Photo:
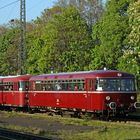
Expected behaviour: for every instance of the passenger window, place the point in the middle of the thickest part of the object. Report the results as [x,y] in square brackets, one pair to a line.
[91,85]
[0,86]
[58,86]
[8,86]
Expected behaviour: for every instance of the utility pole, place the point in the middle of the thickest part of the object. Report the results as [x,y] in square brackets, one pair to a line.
[22,46]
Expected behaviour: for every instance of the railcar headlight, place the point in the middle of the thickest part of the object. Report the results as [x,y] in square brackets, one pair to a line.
[132,97]
[107,98]
[112,105]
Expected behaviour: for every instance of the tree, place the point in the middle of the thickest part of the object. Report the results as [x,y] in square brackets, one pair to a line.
[90,10]
[66,43]
[36,40]
[130,61]
[110,35]
[9,52]
[9,46]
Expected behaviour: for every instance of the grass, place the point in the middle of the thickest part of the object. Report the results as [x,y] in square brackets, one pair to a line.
[101,130]
[138,97]
[105,131]
[138,110]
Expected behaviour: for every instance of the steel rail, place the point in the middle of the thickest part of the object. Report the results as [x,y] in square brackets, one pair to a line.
[14,135]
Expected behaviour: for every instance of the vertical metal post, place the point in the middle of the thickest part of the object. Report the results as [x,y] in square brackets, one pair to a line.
[22,46]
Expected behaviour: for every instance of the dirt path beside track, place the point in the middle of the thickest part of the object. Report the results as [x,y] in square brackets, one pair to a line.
[41,123]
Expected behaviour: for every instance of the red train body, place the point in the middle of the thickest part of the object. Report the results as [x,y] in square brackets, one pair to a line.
[84,91]
[100,92]
[14,90]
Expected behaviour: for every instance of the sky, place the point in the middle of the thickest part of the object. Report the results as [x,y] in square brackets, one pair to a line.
[10,9]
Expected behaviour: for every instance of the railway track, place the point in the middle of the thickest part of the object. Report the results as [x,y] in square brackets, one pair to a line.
[131,119]
[6,134]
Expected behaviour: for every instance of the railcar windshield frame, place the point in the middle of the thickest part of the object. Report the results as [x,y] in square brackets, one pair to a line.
[116,84]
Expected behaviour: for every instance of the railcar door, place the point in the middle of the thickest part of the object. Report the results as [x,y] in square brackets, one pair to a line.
[15,93]
[23,93]
[91,83]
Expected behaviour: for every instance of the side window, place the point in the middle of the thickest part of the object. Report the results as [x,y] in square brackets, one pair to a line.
[92,85]
[37,85]
[8,86]
[76,85]
[1,86]
[59,85]
[49,85]
[32,85]
[72,85]
[64,85]
[43,85]
[81,85]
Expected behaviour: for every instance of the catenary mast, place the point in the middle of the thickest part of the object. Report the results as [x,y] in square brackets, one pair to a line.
[22,46]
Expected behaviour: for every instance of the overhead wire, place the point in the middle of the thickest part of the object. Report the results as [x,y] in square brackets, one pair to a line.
[9,4]
[34,6]
[12,10]
[28,8]
[8,14]
[39,3]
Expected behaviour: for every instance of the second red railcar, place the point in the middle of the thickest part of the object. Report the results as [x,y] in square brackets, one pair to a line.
[14,90]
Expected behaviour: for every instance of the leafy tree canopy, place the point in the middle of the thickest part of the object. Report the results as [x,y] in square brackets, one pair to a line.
[110,35]
[130,61]
[66,40]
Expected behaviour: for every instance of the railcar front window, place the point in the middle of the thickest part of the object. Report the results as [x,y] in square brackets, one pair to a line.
[115,84]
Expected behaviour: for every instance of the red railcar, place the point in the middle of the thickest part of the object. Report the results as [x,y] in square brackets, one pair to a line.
[14,90]
[101,91]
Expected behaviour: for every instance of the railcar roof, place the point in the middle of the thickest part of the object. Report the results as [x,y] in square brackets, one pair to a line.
[82,74]
[16,78]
